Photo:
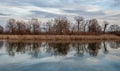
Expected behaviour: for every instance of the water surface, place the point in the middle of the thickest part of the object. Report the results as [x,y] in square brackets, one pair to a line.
[44,56]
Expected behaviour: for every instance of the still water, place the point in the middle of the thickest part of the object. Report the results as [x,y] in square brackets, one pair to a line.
[52,56]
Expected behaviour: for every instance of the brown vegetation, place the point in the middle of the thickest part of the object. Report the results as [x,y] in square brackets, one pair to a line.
[60,37]
[59,29]
[59,26]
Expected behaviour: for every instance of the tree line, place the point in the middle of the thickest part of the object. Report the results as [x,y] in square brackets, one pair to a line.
[59,26]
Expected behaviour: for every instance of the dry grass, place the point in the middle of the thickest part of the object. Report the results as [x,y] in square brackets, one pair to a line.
[60,37]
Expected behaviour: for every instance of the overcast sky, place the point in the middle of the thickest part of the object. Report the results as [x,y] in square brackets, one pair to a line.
[101,9]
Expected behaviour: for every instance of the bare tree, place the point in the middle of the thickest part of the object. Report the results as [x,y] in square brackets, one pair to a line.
[1,29]
[78,22]
[84,25]
[11,25]
[28,28]
[49,27]
[61,25]
[94,26]
[114,28]
[21,28]
[73,29]
[35,26]
[105,26]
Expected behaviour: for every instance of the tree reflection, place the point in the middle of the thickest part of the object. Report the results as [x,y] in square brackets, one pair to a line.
[20,47]
[105,48]
[1,44]
[59,48]
[35,49]
[115,44]
[79,48]
[12,48]
[94,48]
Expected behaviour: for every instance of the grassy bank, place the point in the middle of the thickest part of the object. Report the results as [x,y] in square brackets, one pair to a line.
[60,37]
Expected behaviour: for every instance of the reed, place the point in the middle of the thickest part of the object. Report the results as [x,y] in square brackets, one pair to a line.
[60,37]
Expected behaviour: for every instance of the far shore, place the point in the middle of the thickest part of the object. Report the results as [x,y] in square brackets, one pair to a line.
[60,37]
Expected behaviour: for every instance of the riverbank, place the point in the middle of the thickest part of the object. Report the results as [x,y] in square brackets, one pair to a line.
[60,37]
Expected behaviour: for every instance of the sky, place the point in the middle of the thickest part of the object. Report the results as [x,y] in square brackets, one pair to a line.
[103,10]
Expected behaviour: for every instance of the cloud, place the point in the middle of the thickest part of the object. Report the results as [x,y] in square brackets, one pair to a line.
[43,14]
[86,13]
[2,14]
[116,3]
[50,8]
[46,11]
[112,12]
